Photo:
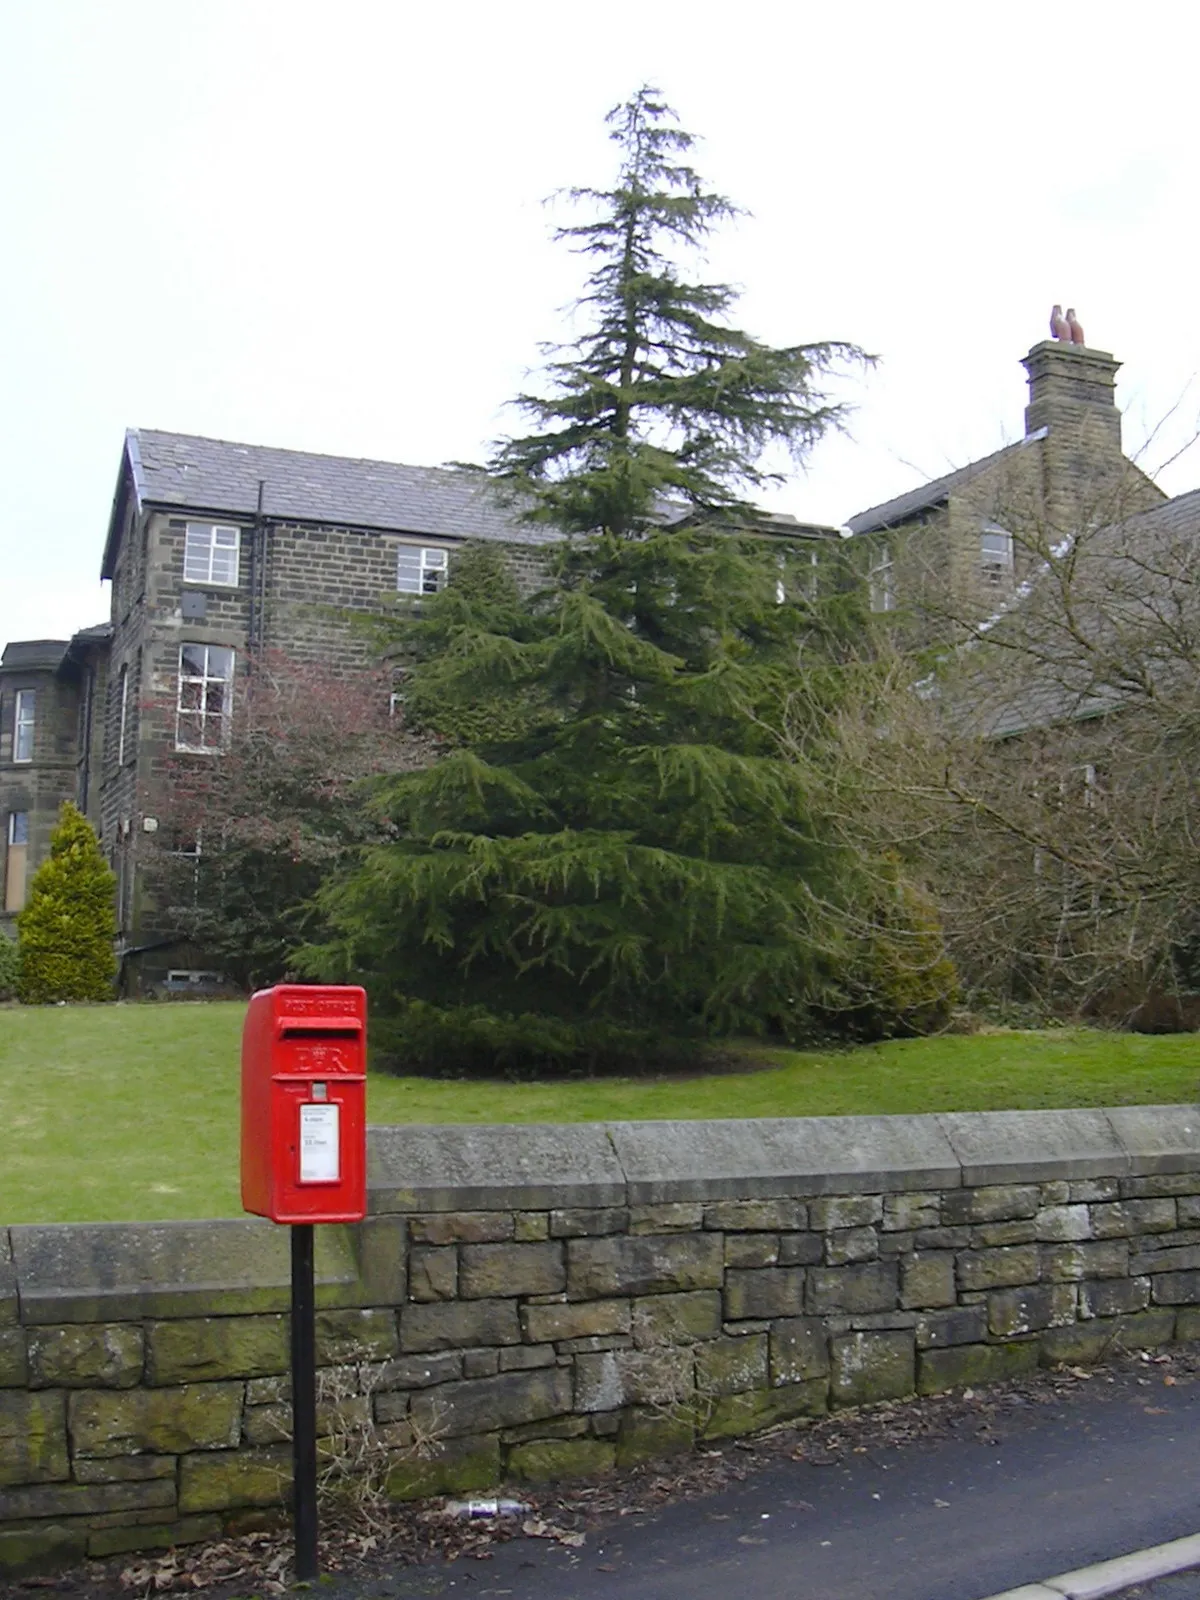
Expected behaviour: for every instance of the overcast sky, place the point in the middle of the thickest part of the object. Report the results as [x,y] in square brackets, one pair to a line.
[321,226]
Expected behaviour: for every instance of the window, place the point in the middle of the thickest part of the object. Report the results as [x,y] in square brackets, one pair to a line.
[420,571]
[882,580]
[183,872]
[996,555]
[23,726]
[124,698]
[205,694]
[14,865]
[210,554]
[797,575]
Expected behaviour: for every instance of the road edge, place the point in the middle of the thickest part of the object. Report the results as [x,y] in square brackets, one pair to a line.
[1110,1577]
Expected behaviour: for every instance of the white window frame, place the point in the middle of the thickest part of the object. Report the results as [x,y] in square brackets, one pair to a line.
[428,567]
[211,552]
[996,562]
[806,585]
[881,580]
[24,719]
[199,686]
[122,726]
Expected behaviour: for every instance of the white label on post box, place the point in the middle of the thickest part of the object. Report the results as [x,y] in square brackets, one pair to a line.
[319,1161]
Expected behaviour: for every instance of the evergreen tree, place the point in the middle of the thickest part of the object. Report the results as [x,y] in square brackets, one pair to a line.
[660,396]
[68,926]
[612,858]
[10,967]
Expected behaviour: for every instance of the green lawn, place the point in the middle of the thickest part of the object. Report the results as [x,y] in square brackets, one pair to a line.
[131,1111]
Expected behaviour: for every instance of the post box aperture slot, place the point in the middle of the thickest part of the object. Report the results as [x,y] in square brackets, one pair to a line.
[308,1033]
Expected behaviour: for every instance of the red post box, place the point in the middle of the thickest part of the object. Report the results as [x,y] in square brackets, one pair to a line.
[304,1117]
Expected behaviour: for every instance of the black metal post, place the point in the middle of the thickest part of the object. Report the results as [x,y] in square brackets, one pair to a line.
[304,1401]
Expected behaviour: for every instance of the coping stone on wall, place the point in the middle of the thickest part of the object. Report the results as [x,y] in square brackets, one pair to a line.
[8,1283]
[1034,1146]
[486,1167]
[758,1157]
[1158,1138]
[120,1271]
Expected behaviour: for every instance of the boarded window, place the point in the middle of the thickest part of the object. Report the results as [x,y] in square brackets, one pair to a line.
[15,860]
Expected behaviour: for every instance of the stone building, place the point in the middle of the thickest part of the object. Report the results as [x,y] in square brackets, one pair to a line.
[217,552]
[956,550]
[51,742]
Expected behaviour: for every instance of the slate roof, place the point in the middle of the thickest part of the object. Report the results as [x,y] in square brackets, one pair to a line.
[187,472]
[935,493]
[190,473]
[1135,586]
[33,655]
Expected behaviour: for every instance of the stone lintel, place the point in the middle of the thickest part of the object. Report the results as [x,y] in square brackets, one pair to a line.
[124,1271]
[487,1168]
[761,1157]
[1002,1147]
[1158,1138]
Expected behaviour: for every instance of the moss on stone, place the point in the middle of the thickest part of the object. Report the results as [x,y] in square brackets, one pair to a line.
[157,1536]
[194,1416]
[197,1348]
[732,1365]
[33,1437]
[86,1355]
[457,1466]
[738,1414]
[13,1369]
[554,1460]
[872,1366]
[217,1480]
[973,1363]
[39,1546]
[644,1435]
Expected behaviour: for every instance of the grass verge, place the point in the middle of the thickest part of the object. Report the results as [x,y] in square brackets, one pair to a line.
[130,1112]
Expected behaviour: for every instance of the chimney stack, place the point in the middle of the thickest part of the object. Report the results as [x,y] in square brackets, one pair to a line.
[1071,393]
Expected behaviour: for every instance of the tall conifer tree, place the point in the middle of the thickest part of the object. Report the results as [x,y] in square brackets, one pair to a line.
[610,858]
[660,395]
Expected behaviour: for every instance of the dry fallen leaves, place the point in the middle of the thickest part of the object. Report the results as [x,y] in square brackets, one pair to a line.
[535,1528]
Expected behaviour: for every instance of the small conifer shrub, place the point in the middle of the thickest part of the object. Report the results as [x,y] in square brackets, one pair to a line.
[67,928]
[10,966]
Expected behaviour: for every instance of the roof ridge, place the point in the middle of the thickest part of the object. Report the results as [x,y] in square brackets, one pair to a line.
[928,493]
[455,469]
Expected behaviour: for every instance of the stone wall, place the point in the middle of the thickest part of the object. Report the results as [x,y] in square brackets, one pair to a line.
[528,1303]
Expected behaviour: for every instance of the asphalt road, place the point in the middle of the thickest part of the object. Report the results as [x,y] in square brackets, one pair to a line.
[1112,1470]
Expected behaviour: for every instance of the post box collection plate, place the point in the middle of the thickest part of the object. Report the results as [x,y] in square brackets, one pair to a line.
[320,1159]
